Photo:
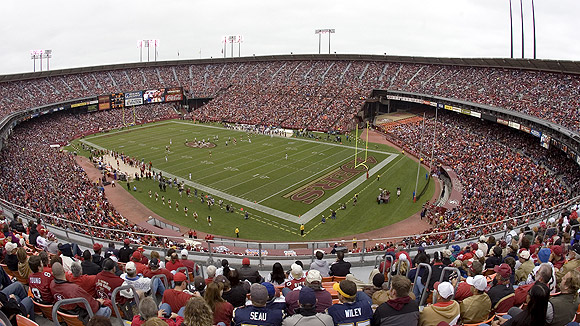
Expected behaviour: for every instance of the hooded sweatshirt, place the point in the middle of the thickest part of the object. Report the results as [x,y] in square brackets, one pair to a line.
[441,311]
[321,266]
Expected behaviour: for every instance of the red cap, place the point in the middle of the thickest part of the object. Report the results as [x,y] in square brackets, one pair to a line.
[97,246]
[127,241]
[246,261]
[180,277]
[557,250]
[504,270]
[137,255]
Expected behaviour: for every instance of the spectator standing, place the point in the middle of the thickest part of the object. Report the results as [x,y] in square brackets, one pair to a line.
[125,252]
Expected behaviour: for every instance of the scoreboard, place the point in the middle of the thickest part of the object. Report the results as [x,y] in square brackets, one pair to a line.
[117,101]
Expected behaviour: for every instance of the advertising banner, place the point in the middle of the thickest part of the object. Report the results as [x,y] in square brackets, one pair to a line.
[133,98]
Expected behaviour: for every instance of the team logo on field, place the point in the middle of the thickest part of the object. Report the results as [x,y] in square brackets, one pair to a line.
[200,144]
[314,190]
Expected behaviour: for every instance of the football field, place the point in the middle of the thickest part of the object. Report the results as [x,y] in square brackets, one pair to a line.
[279,181]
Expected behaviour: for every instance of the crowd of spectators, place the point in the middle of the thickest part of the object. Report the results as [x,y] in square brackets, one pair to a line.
[46,179]
[525,278]
[503,174]
[319,95]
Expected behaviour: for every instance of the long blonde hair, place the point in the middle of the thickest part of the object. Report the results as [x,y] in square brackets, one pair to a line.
[213,295]
[197,313]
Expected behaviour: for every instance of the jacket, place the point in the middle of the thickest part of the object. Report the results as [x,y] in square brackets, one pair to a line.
[317,319]
[65,290]
[323,297]
[475,309]
[525,268]
[321,266]
[438,312]
[340,268]
[564,308]
[90,268]
[249,273]
[385,315]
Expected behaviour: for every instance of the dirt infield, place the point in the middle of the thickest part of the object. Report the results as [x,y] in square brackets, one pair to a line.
[137,213]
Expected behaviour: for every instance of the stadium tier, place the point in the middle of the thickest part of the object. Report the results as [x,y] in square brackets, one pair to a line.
[298,94]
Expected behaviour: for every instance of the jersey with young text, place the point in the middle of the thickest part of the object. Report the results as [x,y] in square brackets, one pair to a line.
[39,284]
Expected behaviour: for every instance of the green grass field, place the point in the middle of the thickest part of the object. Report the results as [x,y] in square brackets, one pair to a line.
[279,193]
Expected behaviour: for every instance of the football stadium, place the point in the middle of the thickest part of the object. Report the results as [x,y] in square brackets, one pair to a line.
[291,189]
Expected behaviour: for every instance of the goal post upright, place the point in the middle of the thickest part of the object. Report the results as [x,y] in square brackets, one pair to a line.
[363,163]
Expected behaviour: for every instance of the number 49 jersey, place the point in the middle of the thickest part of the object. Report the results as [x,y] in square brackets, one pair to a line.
[257,316]
[39,284]
[358,313]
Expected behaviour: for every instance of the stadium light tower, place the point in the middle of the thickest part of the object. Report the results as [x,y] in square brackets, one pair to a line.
[534,26]
[522,18]
[511,32]
[47,54]
[323,31]
[35,54]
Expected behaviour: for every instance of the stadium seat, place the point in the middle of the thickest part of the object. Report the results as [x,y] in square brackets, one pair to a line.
[23,321]
[7,270]
[70,320]
[503,305]
[45,309]
[483,322]
[338,278]
[327,279]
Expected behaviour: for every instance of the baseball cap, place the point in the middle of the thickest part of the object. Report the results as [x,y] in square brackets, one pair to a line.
[477,282]
[246,261]
[445,290]
[258,293]
[544,254]
[479,253]
[456,248]
[10,246]
[483,238]
[97,246]
[154,262]
[136,255]
[180,277]
[130,267]
[271,289]
[296,270]
[313,276]
[307,296]
[525,254]
[127,241]
[199,283]
[504,270]
[184,252]
[346,288]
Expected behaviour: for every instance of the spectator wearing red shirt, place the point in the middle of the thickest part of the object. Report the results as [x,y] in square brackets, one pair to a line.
[176,298]
[87,282]
[190,264]
[557,258]
[174,263]
[39,281]
[297,280]
[154,269]
[137,257]
[106,281]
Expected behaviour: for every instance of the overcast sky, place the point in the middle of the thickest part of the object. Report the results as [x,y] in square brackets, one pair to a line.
[97,32]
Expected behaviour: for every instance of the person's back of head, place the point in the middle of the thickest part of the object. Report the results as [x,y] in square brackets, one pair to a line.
[400,286]
[497,251]
[76,269]
[211,270]
[544,273]
[197,313]
[570,282]
[539,295]
[34,263]
[147,308]
[99,321]
[87,255]
[44,258]
[319,254]
[340,255]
